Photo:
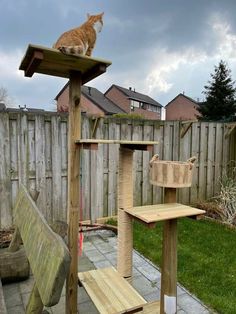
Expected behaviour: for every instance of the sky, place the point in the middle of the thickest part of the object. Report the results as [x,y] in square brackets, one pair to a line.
[159,47]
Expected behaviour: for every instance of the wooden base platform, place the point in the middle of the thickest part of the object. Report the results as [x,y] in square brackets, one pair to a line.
[153,213]
[110,292]
[134,145]
[39,59]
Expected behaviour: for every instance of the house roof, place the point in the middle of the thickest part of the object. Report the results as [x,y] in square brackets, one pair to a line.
[98,98]
[182,95]
[101,100]
[132,94]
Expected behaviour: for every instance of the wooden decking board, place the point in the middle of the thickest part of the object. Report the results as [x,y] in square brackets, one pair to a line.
[160,212]
[110,292]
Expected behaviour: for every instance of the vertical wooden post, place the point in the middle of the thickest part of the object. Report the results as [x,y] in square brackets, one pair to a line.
[74,133]
[125,227]
[169,260]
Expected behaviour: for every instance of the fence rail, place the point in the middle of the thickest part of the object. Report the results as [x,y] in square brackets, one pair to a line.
[33,150]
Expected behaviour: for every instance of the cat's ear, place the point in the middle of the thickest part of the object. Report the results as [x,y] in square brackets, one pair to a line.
[88,16]
[102,14]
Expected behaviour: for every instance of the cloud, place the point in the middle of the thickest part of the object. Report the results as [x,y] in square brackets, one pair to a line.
[9,64]
[225,38]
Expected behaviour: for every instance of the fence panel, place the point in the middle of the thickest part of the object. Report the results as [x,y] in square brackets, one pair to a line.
[33,150]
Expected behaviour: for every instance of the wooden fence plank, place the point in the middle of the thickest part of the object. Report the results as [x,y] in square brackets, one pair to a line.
[40,139]
[146,186]
[5,183]
[56,168]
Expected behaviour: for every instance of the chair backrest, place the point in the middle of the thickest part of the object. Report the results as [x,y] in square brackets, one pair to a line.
[47,253]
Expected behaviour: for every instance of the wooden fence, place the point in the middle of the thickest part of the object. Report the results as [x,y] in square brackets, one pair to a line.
[33,150]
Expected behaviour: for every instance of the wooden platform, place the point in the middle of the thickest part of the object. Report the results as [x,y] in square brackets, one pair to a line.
[154,213]
[110,292]
[39,59]
[135,145]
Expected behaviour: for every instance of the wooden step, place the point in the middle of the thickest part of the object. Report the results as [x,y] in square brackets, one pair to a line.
[110,292]
[151,214]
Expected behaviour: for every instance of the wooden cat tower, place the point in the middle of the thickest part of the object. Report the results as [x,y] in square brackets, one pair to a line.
[109,288]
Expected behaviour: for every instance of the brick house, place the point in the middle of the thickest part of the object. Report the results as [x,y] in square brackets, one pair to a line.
[182,107]
[131,101]
[93,102]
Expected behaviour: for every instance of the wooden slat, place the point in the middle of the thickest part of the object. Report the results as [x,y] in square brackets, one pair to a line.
[110,292]
[160,212]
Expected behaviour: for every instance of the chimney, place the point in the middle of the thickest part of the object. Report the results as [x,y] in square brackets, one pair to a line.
[130,88]
[89,91]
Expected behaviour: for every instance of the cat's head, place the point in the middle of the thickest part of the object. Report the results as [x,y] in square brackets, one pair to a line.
[96,21]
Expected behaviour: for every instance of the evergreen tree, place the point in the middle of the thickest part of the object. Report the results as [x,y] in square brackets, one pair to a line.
[220,103]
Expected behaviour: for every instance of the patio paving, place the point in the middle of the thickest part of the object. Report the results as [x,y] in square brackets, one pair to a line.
[99,251]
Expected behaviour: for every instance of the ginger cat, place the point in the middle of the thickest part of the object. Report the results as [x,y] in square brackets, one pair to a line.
[81,40]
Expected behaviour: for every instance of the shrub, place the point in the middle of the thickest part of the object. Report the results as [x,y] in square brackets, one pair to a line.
[226,199]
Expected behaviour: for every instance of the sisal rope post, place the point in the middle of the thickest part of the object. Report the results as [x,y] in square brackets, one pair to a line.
[125,226]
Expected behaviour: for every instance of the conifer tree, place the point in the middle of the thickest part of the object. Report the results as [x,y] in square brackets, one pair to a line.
[220,103]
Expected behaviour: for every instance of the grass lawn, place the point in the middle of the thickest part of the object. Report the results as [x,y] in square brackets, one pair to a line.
[206,259]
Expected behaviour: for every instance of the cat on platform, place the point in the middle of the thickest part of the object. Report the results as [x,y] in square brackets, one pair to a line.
[81,40]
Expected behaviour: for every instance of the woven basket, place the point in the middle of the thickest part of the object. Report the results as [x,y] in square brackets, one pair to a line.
[171,174]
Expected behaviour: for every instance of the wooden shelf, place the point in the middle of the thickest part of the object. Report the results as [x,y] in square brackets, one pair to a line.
[153,213]
[135,145]
[38,59]
[110,292]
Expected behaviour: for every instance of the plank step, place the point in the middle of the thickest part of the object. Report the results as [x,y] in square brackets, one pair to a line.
[110,292]
[151,214]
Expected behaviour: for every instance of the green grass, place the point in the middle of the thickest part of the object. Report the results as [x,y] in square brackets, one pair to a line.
[206,259]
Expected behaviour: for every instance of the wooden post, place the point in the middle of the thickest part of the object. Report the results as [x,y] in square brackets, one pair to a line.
[125,226]
[74,133]
[169,260]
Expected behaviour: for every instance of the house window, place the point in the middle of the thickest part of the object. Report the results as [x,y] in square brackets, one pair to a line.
[134,104]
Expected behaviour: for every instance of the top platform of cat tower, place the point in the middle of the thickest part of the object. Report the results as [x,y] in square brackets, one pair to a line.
[49,61]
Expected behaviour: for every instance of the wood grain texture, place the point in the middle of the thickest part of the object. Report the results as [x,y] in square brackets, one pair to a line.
[74,132]
[160,212]
[110,292]
[47,253]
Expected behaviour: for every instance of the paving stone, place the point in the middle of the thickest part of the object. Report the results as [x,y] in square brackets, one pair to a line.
[19,309]
[150,272]
[190,305]
[95,256]
[112,257]
[12,295]
[88,246]
[26,285]
[104,248]
[87,308]
[153,296]
[137,259]
[143,285]
[102,264]
[180,291]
